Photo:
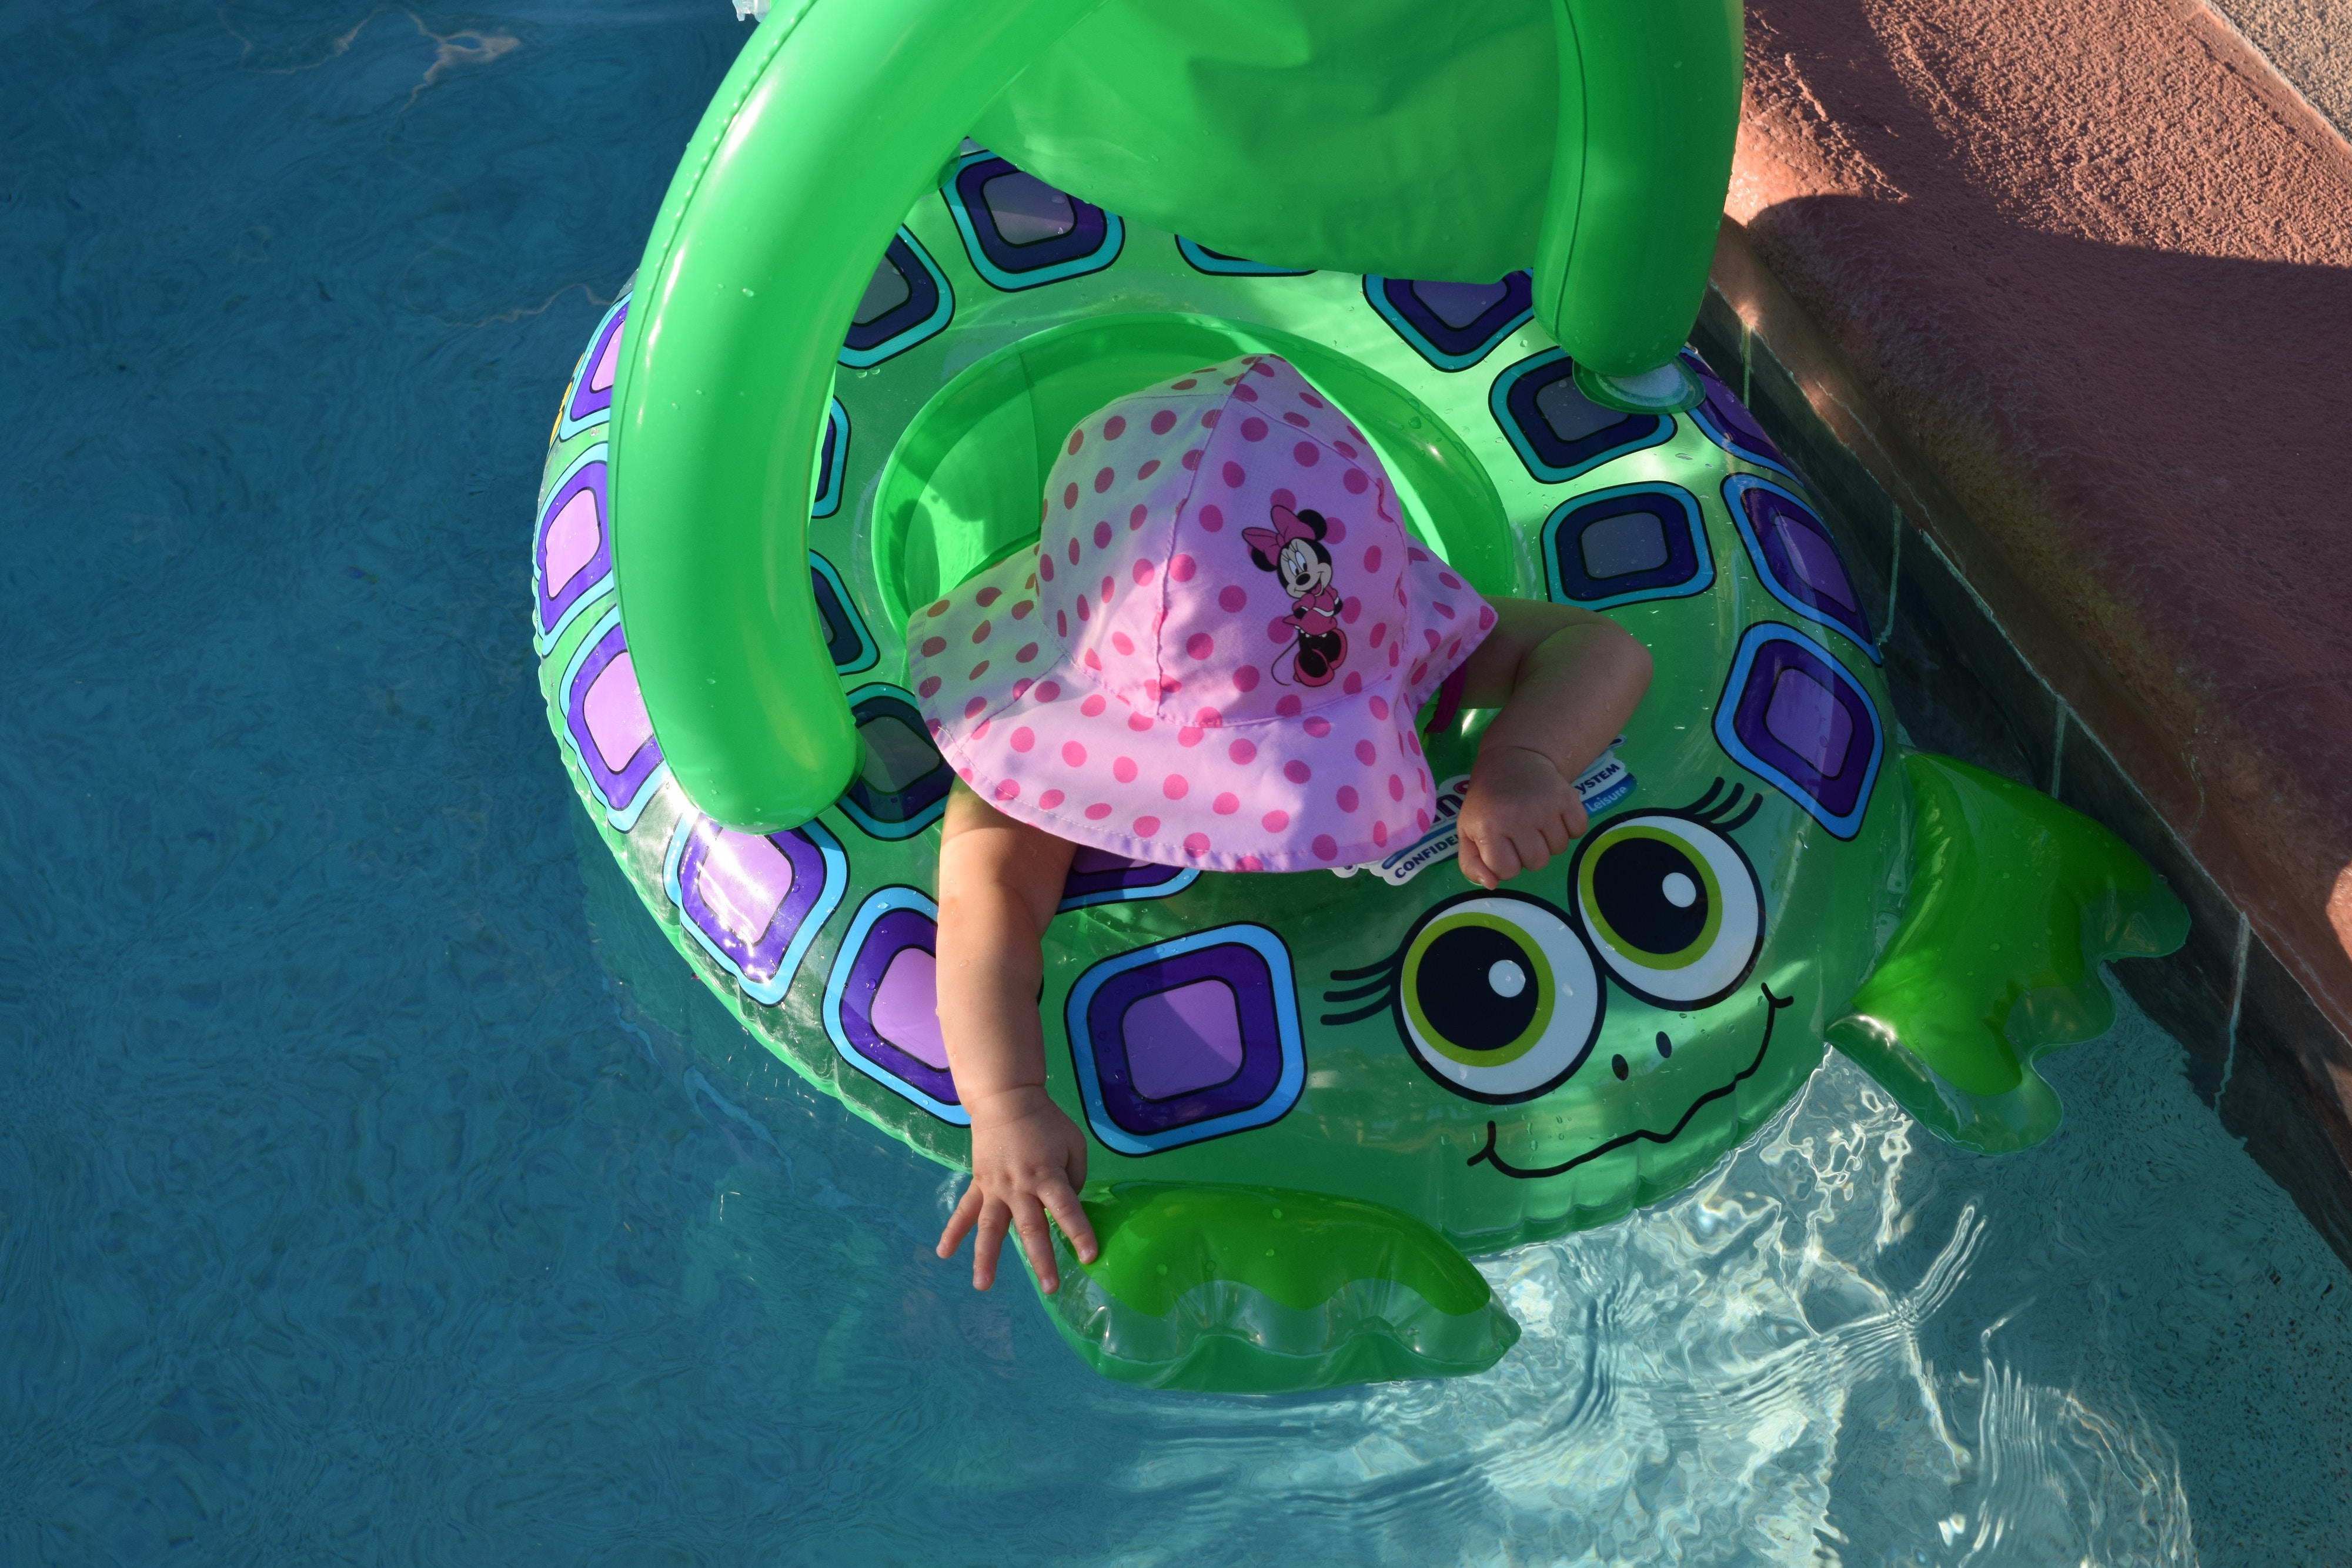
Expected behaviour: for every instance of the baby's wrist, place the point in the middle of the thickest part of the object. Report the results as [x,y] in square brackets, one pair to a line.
[1003,1107]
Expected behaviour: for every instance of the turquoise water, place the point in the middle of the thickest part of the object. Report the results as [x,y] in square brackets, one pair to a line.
[376,1185]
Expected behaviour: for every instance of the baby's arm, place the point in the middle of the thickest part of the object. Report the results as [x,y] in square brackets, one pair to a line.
[1567,680]
[999,882]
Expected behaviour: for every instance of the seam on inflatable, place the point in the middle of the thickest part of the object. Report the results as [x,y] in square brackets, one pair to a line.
[781,35]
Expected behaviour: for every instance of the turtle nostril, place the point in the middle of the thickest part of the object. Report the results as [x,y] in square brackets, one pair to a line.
[1617,1065]
[1665,1046]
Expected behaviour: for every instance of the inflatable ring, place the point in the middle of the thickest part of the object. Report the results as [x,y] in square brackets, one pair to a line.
[1309,1098]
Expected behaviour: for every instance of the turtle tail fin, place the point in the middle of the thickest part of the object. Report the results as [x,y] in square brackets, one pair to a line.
[2015,901]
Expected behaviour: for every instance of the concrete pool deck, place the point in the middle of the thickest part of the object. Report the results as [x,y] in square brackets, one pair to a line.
[2054,303]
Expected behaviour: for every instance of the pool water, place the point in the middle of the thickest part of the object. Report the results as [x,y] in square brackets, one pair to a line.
[376,1185]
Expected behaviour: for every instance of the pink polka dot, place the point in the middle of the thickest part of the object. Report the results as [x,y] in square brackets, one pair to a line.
[972,709]
[1280,629]
[1396,655]
[1446,610]
[1104,480]
[1183,568]
[1062,621]
[1102,536]
[1335,529]
[1380,834]
[1325,846]
[1486,616]
[1196,844]
[1351,610]
[934,646]
[1319,727]
[1306,455]
[1189,735]
[1379,633]
[978,670]
[1140,722]
[1235,475]
[1232,599]
[1191,459]
[1413,741]
[1415,553]
[1249,862]
[1353,480]
[1343,449]
[1243,752]
[1028,651]
[1049,800]
[1284,498]
[1448,579]
[1288,706]
[1396,787]
[1045,567]
[982,733]
[1069,496]
[1295,417]
[936,611]
[1371,557]
[1151,466]
[1187,384]
[1114,427]
[1093,707]
[1135,519]
[1007,789]
[1022,608]
[1380,706]
[1123,642]
[1253,429]
[1274,821]
[1298,772]
[1175,785]
[1097,811]
[1163,422]
[1245,678]
[1353,684]
[1209,718]
[1021,686]
[1420,821]
[1246,392]
[1123,770]
[1144,572]
[1348,799]
[1075,756]
[1213,519]
[1226,804]
[1209,420]
[988,596]
[1072,551]
[1366,753]
[1200,645]
[979,633]
[1077,439]
[1049,691]
[1023,738]
[931,684]
[1146,826]
[1084,612]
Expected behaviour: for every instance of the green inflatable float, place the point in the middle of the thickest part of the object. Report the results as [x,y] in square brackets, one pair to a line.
[1309,1096]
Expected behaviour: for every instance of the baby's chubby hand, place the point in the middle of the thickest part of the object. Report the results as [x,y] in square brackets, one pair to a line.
[1028,1160]
[1519,812]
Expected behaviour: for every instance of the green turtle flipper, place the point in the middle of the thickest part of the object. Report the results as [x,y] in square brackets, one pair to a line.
[2015,900]
[1247,1290]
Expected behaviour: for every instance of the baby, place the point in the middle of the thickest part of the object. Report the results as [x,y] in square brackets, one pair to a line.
[1214,657]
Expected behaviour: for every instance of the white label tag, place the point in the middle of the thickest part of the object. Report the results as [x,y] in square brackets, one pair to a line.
[1599,787]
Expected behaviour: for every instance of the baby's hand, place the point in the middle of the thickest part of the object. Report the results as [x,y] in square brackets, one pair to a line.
[1518,814]
[1027,1160]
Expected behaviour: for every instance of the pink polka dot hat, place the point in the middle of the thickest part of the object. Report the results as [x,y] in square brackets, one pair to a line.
[1214,653]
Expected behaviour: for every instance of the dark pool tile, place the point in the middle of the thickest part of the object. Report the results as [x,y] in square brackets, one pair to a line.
[1944,708]
[2188,991]
[2281,1102]
[1716,335]
[1961,636]
[1858,511]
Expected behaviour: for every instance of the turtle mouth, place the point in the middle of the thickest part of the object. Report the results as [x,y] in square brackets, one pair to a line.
[1772,1006]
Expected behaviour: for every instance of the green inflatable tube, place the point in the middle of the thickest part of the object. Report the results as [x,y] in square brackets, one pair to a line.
[1309,1101]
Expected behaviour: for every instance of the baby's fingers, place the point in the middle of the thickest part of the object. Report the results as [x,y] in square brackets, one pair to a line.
[1029,1219]
[960,1223]
[1063,1205]
[1474,864]
[995,1219]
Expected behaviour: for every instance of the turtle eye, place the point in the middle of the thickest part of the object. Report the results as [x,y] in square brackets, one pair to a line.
[1497,997]
[1672,906]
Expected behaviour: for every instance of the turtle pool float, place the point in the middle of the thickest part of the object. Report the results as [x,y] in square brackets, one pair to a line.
[1309,1097]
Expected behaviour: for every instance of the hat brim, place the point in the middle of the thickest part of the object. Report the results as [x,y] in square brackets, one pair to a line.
[1038,737]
